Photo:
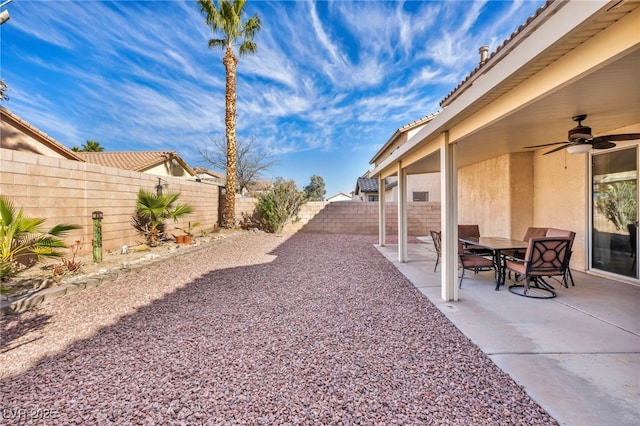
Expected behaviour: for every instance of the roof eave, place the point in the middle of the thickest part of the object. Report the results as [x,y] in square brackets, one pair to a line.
[400,131]
[523,31]
[44,138]
[466,98]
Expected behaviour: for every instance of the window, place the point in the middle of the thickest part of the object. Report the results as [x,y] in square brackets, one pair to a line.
[421,196]
[372,198]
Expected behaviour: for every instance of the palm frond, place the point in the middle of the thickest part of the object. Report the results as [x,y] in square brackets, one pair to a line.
[7,211]
[181,210]
[62,229]
[248,47]
[217,43]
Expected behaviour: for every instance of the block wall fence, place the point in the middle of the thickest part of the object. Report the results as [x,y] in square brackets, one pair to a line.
[67,191]
[355,217]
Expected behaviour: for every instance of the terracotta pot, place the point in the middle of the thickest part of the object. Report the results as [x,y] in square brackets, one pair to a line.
[187,239]
[180,239]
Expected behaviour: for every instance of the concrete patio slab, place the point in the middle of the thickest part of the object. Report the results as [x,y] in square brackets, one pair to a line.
[577,355]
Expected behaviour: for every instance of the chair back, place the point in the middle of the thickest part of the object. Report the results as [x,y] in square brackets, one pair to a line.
[554,232]
[547,256]
[534,232]
[437,240]
[465,231]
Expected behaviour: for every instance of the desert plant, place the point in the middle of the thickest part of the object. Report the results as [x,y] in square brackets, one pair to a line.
[279,206]
[69,265]
[23,238]
[190,229]
[617,202]
[151,212]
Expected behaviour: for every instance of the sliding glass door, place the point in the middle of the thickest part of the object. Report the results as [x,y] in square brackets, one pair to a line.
[614,239]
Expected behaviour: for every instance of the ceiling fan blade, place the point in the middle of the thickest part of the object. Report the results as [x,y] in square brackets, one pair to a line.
[556,149]
[601,143]
[622,137]
[546,144]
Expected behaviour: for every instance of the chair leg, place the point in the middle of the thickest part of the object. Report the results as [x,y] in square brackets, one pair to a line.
[573,284]
[461,278]
[437,260]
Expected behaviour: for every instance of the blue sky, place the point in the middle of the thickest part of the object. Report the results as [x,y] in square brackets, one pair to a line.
[330,84]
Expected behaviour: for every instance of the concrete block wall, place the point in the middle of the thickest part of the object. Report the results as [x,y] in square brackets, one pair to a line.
[67,191]
[354,217]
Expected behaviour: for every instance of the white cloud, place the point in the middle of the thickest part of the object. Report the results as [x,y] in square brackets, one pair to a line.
[328,78]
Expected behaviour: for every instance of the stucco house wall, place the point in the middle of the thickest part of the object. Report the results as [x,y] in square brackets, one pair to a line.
[429,182]
[560,197]
[507,194]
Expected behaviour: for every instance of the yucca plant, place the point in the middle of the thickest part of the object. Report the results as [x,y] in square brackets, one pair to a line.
[23,237]
[153,210]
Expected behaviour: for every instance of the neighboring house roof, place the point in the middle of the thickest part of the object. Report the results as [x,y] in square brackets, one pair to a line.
[340,196]
[259,186]
[8,141]
[366,185]
[138,161]
[204,173]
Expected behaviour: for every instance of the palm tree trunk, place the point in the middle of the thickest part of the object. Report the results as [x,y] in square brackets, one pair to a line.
[230,62]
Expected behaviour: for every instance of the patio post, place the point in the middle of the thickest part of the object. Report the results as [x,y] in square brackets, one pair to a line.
[382,217]
[449,218]
[402,214]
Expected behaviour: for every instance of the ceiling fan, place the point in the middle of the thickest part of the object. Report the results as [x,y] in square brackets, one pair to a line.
[581,140]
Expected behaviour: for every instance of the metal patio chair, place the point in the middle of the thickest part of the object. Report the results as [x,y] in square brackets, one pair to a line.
[545,257]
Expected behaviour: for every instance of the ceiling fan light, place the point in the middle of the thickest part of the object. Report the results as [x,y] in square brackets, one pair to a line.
[580,132]
[581,148]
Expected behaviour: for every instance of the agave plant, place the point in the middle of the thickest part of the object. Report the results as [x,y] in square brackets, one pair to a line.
[23,238]
[153,210]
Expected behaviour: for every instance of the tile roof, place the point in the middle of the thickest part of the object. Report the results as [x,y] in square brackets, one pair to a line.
[138,161]
[212,173]
[41,136]
[367,184]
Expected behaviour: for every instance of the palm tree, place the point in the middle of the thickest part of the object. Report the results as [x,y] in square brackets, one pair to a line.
[3,90]
[23,237]
[90,146]
[153,209]
[226,19]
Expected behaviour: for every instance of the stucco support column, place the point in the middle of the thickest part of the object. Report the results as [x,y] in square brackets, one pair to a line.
[402,214]
[382,213]
[449,218]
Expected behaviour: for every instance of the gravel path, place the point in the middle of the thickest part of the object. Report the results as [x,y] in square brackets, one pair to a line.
[306,329]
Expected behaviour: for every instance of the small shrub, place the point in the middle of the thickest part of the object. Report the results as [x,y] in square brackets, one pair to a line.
[279,206]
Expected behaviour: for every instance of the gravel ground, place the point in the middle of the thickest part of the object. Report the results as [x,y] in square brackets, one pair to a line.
[262,329]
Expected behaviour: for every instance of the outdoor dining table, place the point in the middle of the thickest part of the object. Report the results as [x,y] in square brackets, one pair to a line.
[497,245]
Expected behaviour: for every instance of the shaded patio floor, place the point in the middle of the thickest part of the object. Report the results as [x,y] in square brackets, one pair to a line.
[577,355]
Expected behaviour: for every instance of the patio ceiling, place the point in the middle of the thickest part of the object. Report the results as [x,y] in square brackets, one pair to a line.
[609,95]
